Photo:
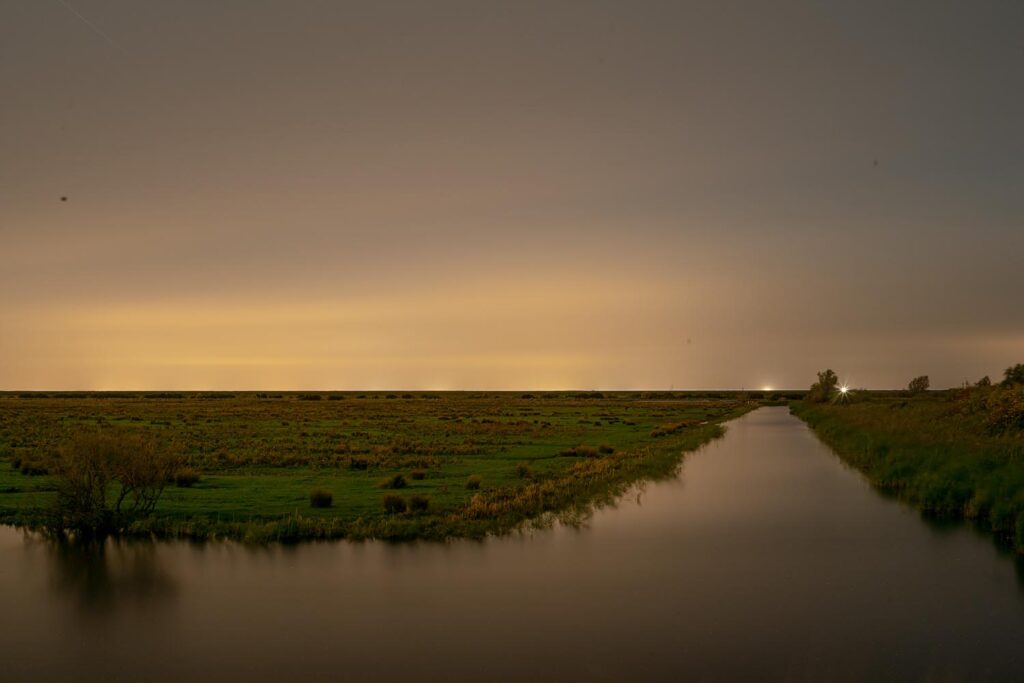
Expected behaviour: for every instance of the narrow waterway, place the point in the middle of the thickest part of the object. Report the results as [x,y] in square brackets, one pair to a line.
[767,559]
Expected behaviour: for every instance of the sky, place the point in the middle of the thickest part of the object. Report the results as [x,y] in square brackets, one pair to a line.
[509,195]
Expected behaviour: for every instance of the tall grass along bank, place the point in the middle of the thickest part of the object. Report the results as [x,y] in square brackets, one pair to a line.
[939,452]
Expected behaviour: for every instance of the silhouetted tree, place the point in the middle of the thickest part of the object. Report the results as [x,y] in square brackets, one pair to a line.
[984,382]
[825,388]
[1013,375]
[919,385]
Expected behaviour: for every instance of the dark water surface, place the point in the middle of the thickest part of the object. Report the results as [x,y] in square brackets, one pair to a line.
[766,559]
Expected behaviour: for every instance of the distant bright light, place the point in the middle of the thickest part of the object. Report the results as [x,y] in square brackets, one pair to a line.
[844,389]
[767,389]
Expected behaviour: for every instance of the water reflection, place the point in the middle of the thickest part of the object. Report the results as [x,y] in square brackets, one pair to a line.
[104,576]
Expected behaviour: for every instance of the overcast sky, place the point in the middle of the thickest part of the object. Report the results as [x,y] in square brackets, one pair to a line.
[509,195]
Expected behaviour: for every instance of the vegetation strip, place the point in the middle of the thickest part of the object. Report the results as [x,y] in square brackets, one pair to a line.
[283,468]
[957,453]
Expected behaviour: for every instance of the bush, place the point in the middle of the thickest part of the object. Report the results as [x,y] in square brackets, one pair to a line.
[318,498]
[358,463]
[523,471]
[605,449]
[419,503]
[473,482]
[419,475]
[186,477]
[394,504]
[94,462]
[396,481]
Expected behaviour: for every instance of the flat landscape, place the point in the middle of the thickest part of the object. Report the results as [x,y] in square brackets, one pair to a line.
[267,467]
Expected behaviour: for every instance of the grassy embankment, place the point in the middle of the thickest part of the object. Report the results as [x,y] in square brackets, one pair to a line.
[932,452]
[463,465]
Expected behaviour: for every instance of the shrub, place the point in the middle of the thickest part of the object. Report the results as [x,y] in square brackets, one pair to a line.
[524,471]
[358,463]
[473,482]
[319,498]
[419,474]
[394,504]
[419,503]
[94,462]
[396,481]
[186,477]
[605,449]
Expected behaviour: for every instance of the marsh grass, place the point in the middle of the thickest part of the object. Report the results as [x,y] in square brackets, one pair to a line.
[524,471]
[186,477]
[931,453]
[394,504]
[395,481]
[581,451]
[258,456]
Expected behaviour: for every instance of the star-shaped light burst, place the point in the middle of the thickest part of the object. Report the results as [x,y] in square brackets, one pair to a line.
[844,393]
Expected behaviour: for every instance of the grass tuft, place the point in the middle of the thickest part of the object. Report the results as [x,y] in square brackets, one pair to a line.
[318,498]
[394,504]
[186,477]
[395,481]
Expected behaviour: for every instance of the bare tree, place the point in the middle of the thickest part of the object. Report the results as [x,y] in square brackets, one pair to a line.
[108,479]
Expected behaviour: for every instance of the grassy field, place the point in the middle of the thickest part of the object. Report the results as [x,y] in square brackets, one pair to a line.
[933,451]
[478,463]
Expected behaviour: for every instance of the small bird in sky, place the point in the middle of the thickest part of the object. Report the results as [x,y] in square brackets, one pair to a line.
[63,199]
[876,162]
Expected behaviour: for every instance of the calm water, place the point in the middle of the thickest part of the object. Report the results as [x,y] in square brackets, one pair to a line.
[766,559]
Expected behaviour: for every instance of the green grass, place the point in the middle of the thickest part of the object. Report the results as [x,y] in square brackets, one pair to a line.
[933,453]
[258,459]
